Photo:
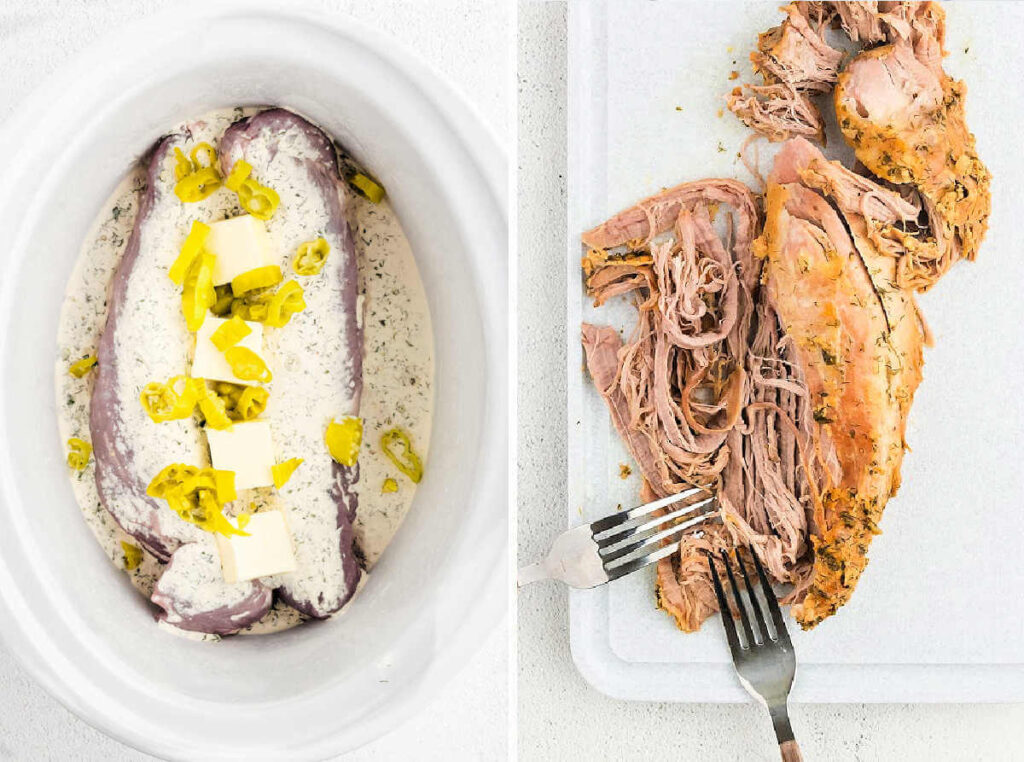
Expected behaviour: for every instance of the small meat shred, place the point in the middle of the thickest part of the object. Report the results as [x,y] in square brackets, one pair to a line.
[794,62]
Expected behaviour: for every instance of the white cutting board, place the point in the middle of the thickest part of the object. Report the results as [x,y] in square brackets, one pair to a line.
[939,613]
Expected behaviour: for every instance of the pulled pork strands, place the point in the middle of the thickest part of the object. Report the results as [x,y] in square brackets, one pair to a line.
[795,62]
[896,107]
[705,392]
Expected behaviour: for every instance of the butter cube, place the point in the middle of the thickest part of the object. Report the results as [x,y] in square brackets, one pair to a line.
[247,449]
[240,244]
[208,361]
[267,550]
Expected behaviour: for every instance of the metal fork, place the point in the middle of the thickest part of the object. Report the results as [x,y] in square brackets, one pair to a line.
[592,554]
[764,660]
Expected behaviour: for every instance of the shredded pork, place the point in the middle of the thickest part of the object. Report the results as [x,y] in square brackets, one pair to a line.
[706,391]
[776,354]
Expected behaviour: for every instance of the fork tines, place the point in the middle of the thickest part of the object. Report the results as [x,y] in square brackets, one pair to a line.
[776,634]
[625,540]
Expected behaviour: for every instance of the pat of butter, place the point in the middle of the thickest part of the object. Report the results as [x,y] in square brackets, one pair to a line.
[209,362]
[267,550]
[240,244]
[247,449]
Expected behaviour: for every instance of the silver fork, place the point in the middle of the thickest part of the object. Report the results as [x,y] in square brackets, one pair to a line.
[592,554]
[764,660]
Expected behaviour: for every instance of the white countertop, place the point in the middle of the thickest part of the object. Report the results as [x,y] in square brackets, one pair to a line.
[559,715]
[466,40]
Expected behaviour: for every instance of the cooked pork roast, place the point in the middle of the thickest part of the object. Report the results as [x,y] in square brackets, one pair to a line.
[776,354]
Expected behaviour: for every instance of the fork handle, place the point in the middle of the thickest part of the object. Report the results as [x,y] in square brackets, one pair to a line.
[788,747]
[790,752]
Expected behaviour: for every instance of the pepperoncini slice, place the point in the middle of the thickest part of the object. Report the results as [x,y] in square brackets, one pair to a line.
[344,438]
[286,302]
[80,367]
[257,278]
[247,365]
[228,390]
[406,461]
[132,555]
[239,173]
[251,403]
[197,495]
[198,185]
[282,472]
[310,257]
[230,333]
[169,476]
[222,306]
[169,402]
[182,166]
[213,408]
[208,152]
[243,520]
[78,453]
[258,200]
[198,294]
[389,485]
[191,249]
[368,187]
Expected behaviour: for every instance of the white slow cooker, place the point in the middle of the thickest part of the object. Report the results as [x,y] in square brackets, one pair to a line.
[65,611]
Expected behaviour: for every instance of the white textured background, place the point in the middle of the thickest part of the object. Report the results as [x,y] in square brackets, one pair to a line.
[560,717]
[469,42]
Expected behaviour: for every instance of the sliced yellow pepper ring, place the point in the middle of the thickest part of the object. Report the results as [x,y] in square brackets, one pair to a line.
[257,278]
[169,402]
[208,152]
[80,367]
[198,185]
[247,365]
[243,520]
[229,391]
[182,166]
[368,187]
[343,439]
[389,485]
[406,461]
[258,200]
[175,473]
[213,408]
[310,257]
[239,173]
[286,302]
[190,250]
[78,453]
[229,394]
[222,306]
[132,555]
[251,403]
[230,333]
[197,495]
[282,472]
[198,294]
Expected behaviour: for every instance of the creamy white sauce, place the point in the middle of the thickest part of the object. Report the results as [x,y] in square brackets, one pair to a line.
[397,369]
